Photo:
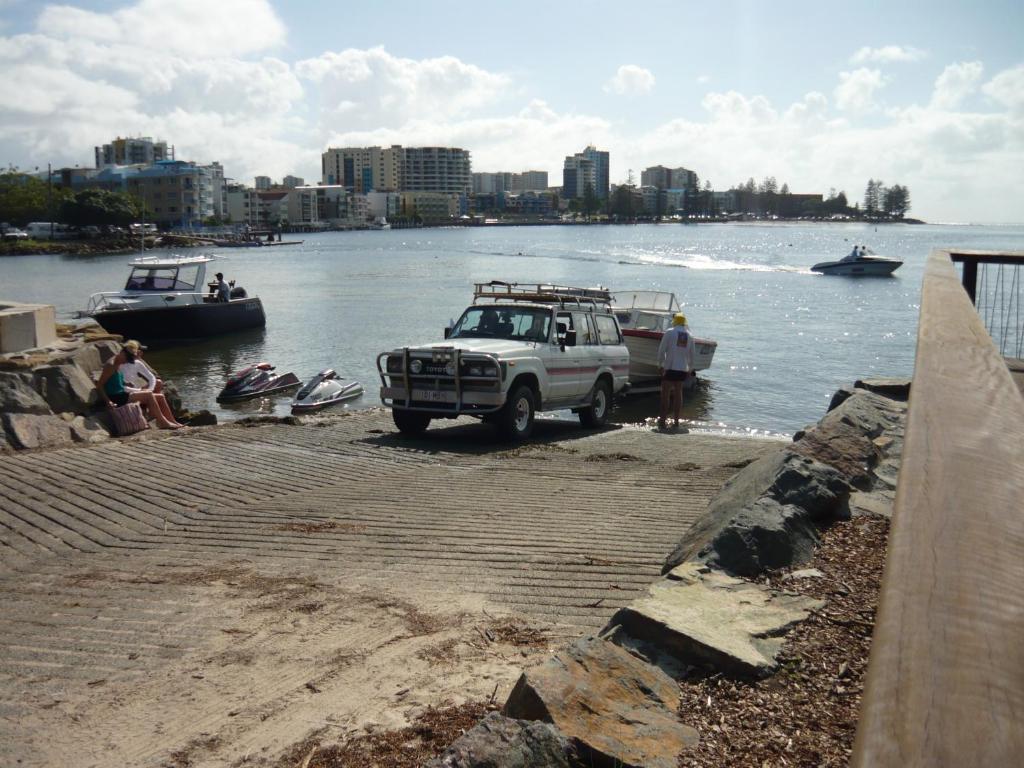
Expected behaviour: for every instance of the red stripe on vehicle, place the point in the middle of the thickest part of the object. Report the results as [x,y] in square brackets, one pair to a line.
[643,334]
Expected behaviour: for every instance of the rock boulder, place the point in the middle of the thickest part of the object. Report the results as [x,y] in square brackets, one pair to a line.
[18,396]
[765,516]
[26,430]
[501,742]
[614,708]
[703,617]
[65,388]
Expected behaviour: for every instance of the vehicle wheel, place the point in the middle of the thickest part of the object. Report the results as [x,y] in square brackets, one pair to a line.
[600,406]
[410,422]
[515,420]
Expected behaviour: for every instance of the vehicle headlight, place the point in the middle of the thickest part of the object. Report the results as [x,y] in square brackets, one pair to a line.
[416,366]
[475,370]
[449,369]
[394,364]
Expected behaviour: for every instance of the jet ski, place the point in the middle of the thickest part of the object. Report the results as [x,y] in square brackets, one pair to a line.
[866,264]
[256,381]
[325,389]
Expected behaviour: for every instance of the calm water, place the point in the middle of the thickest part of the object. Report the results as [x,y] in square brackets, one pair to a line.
[787,338]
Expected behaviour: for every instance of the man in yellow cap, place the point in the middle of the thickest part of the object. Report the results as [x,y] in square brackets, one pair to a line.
[675,361]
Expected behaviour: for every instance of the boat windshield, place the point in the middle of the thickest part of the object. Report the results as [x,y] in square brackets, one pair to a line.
[519,323]
[661,301]
[163,278]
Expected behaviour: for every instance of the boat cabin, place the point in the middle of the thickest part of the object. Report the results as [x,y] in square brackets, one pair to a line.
[645,310]
[187,276]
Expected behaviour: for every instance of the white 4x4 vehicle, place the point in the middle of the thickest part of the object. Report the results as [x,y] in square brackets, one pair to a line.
[517,350]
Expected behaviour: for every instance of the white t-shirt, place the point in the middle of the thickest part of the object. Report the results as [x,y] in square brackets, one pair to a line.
[675,353]
[137,376]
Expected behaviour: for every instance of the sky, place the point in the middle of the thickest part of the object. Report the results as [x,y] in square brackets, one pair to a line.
[819,95]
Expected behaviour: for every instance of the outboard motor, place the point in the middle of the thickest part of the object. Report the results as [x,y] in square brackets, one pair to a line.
[239,293]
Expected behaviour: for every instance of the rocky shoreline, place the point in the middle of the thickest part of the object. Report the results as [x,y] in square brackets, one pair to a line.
[48,397]
[722,611]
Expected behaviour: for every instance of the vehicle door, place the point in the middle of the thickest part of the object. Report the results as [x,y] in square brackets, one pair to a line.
[563,364]
[614,354]
[588,351]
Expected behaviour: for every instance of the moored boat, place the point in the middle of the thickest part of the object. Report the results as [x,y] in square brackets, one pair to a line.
[644,316]
[164,301]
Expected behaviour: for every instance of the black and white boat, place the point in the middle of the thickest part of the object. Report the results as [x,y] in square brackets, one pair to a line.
[256,381]
[866,264]
[324,389]
[166,300]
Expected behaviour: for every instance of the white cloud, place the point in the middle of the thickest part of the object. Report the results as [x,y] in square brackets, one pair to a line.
[1007,88]
[184,27]
[887,54]
[856,90]
[370,88]
[630,79]
[956,82]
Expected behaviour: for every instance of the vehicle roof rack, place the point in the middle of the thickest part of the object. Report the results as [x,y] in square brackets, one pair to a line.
[542,293]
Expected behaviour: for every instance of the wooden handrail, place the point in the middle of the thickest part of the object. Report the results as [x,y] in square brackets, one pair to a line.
[945,681]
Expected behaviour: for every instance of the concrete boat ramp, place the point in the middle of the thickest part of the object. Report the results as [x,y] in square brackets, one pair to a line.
[211,597]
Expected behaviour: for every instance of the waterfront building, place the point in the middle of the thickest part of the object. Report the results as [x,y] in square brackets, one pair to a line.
[577,174]
[132,151]
[398,169]
[322,205]
[241,205]
[218,189]
[529,180]
[291,182]
[586,168]
[263,182]
[362,169]
[386,204]
[436,169]
[175,193]
[433,206]
[529,203]
[668,178]
[492,183]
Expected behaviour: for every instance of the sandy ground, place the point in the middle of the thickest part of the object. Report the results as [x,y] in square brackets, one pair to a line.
[212,598]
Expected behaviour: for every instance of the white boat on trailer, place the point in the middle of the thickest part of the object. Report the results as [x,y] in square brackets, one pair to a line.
[644,316]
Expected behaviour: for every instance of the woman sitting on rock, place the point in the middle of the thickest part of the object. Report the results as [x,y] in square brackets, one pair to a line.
[113,391]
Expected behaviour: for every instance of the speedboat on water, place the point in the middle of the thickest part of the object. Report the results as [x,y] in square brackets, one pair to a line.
[866,264]
[644,316]
[164,301]
[256,381]
[325,389]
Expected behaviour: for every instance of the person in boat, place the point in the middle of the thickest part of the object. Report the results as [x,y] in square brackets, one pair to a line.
[675,360]
[222,290]
[113,392]
[852,255]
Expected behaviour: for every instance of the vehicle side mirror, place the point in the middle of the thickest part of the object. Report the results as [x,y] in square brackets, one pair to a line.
[447,332]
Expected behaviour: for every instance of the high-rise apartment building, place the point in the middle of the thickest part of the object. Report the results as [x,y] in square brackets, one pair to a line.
[173,192]
[263,182]
[138,151]
[291,182]
[668,178]
[362,169]
[589,167]
[396,168]
[529,180]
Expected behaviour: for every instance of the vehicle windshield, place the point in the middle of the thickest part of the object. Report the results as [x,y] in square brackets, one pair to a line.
[163,278]
[518,323]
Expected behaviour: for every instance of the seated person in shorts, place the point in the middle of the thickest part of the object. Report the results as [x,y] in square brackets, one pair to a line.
[114,393]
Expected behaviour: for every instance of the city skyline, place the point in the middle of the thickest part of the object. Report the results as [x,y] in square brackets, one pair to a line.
[930,96]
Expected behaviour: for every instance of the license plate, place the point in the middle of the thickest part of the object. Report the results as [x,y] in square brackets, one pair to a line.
[433,396]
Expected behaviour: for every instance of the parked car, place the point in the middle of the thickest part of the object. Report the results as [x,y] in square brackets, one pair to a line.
[517,350]
[13,233]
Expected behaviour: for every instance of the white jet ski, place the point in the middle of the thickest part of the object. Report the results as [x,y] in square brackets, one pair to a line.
[325,389]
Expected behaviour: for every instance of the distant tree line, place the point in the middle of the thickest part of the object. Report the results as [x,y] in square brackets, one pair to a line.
[25,198]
